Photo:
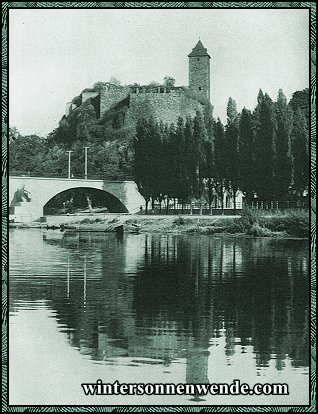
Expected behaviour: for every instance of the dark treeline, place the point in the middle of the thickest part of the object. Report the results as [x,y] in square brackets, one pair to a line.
[263,153]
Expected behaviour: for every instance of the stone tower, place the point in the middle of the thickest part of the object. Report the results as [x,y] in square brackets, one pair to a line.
[199,70]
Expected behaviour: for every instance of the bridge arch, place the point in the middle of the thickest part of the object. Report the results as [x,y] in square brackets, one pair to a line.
[122,195]
[113,203]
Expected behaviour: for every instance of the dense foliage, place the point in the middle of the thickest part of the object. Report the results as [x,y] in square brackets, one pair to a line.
[110,153]
[264,153]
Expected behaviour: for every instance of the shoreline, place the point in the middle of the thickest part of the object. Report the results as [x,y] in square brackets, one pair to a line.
[287,224]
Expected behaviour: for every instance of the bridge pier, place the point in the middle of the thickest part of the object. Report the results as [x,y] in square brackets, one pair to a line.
[26,212]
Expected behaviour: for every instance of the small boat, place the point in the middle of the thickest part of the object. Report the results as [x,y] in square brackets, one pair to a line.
[17,225]
[105,228]
[132,228]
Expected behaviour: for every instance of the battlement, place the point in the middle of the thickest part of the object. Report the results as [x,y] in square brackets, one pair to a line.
[162,102]
[157,89]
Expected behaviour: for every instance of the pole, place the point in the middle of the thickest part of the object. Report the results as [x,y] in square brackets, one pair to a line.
[69,163]
[86,148]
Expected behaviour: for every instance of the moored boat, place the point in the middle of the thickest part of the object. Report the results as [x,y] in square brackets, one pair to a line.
[132,228]
[106,228]
[18,225]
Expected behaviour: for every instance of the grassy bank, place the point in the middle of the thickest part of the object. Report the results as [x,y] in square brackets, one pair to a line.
[291,223]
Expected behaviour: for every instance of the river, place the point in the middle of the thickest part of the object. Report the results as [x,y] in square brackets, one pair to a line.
[154,308]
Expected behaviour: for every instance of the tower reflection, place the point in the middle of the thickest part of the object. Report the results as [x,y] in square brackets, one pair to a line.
[158,299]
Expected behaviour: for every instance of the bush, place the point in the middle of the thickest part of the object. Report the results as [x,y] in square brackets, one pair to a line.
[297,223]
[249,217]
[179,221]
[293,222]
[260,231]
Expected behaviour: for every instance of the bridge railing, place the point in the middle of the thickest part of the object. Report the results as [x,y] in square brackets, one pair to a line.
[302,203]
[17,173]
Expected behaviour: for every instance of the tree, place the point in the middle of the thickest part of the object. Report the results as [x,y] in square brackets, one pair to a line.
[26,155]
[300,153]
[145,164]
[231,111]
[167,167]
[301,99]
[99,86]
[168,81]
[198,163]
[153,84]
[86,121]
[260,98]
[188,158]
[247,154]
[14,134]
[156,165]
[232,156]
[171,160]
[179,168]
[283,164]
[55,162]
[265,148]
[220,160]
[209,167]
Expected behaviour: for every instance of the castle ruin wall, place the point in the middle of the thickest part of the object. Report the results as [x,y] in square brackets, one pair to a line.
[112,95]
[165,107]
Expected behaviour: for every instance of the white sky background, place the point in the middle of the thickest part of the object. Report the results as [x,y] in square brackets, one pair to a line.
[55,53]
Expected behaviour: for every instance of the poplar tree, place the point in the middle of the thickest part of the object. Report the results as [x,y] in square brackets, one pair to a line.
[220,160]
[198,154]
[232,157]
[189,159]
[143,159]
[247,154]
[300,153]
[156,164]
[283,164]
[209,167]
[182,179]
[265,148]
[301,99]
[173,161]
[166,168]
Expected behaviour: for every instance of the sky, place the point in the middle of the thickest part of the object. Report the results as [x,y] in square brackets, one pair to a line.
[56,53]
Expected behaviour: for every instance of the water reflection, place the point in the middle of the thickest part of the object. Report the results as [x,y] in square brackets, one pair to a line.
[158,299]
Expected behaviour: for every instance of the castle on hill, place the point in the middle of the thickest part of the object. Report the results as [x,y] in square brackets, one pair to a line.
[163,103]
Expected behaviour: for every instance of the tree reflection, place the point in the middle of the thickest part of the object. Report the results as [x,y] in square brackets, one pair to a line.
[178,295]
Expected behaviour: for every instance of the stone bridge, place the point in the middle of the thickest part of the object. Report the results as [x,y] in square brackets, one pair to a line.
[123,196]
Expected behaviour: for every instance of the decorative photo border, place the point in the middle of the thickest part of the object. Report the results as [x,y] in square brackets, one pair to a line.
[311,6]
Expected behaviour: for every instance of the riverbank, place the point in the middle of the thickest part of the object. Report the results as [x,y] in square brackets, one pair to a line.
[290,223]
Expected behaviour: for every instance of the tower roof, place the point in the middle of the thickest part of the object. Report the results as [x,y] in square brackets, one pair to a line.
[199,50]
